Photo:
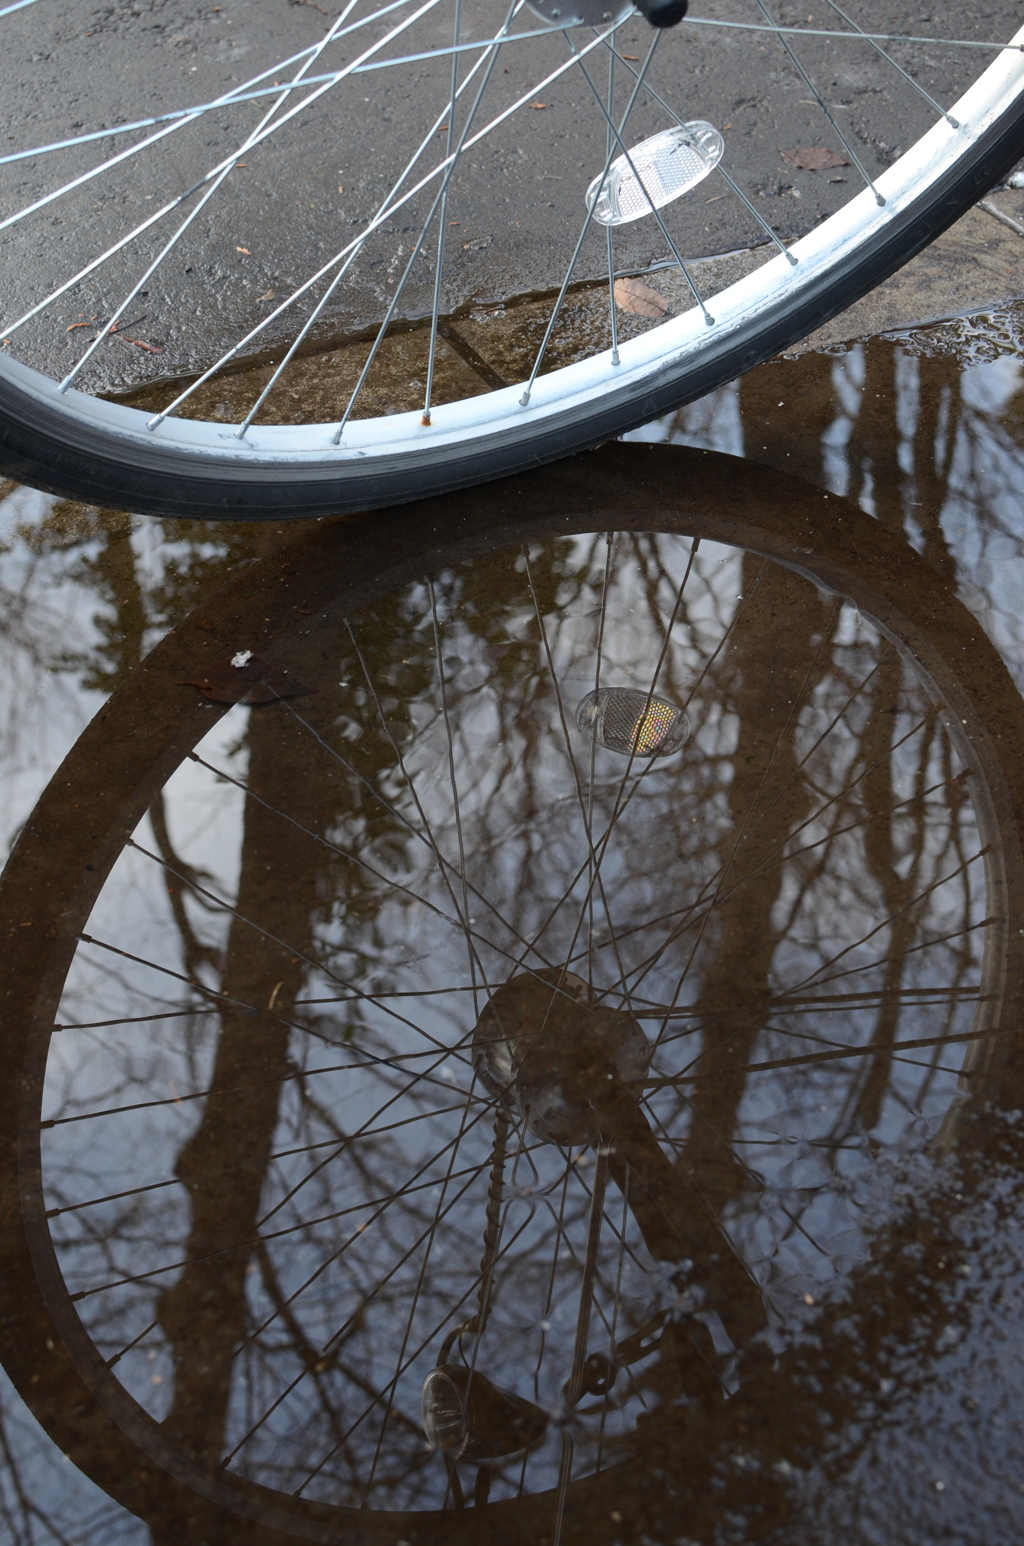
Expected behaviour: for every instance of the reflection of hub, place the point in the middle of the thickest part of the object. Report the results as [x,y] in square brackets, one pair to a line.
[551,1053]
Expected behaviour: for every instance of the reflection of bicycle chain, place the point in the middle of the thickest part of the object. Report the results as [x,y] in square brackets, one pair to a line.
[131,749]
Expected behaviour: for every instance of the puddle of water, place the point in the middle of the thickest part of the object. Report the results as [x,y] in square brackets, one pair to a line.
[790,1313]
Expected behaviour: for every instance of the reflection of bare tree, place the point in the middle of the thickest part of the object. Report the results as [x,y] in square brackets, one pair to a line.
[767,799]
[223,1165]
[737,874]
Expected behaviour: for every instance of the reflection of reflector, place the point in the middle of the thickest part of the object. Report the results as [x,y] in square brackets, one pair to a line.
[468,1418]
[655,172]
[632,722]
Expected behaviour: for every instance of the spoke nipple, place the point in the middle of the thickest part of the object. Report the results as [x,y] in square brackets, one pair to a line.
[615,357]
[954,123]
[524,401]
[709,319]
[241,431]
[793,261]
[425,420]
[879,200]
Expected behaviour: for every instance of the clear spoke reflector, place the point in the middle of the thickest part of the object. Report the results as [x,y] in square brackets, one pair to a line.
[655,172]
[632,722]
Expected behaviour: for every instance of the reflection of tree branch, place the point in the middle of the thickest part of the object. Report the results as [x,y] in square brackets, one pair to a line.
[195,953]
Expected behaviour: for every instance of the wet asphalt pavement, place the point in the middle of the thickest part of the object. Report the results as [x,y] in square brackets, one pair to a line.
[514,210]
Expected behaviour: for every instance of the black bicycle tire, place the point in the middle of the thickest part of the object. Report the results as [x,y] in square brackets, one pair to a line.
[41,448]
[62,859]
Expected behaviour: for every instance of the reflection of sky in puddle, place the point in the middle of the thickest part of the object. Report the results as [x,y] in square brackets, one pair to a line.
[960,483]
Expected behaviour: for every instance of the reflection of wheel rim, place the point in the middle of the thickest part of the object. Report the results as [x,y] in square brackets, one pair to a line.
[98,448]
[914,620]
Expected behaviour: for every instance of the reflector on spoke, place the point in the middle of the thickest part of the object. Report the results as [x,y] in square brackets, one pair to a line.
[632,722]
[655,172]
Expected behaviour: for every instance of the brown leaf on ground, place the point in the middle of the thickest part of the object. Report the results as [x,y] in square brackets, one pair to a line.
[633,295]
[813,158]
[245,678]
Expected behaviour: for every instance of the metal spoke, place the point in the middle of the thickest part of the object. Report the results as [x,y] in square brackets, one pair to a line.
[646,966]
[226,162]
[821,102]
[459,922]
[241,94]
[424,144]
[267,934]
[847,37]
[627,156]
[480,896]
[306,1148]
[613,310]
[338,1335]
[425,1343]
[609,547]
[437,171]
[443,864]
[592,857]
[387,1395]
[217,183]
[442,221]
[954,123]
[901,912]
[297,1025]
[440,200]
[720,169]
[524,400]
[940,939]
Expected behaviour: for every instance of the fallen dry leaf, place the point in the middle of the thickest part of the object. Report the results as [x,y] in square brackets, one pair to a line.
[245,250]
[254,681]
[813,158]
[633,295]
[538,104]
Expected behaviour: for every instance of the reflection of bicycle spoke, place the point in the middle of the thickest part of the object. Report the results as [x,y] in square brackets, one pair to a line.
[423,838]
[738,1148]
[649,962]
[425,1343]
[831,1054]
[326,1143]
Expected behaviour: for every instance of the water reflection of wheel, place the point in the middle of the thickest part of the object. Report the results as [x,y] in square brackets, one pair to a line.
[415,1045]
[367,309]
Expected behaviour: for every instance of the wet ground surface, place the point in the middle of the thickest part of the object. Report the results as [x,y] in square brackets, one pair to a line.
[422,1022]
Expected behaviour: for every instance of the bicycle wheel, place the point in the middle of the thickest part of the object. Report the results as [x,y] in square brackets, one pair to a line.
[365,316]
[271,1172]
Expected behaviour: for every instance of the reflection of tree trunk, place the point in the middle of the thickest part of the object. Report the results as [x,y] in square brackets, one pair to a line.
[880,852]
[766,801]
[223,1164]
[938,422]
